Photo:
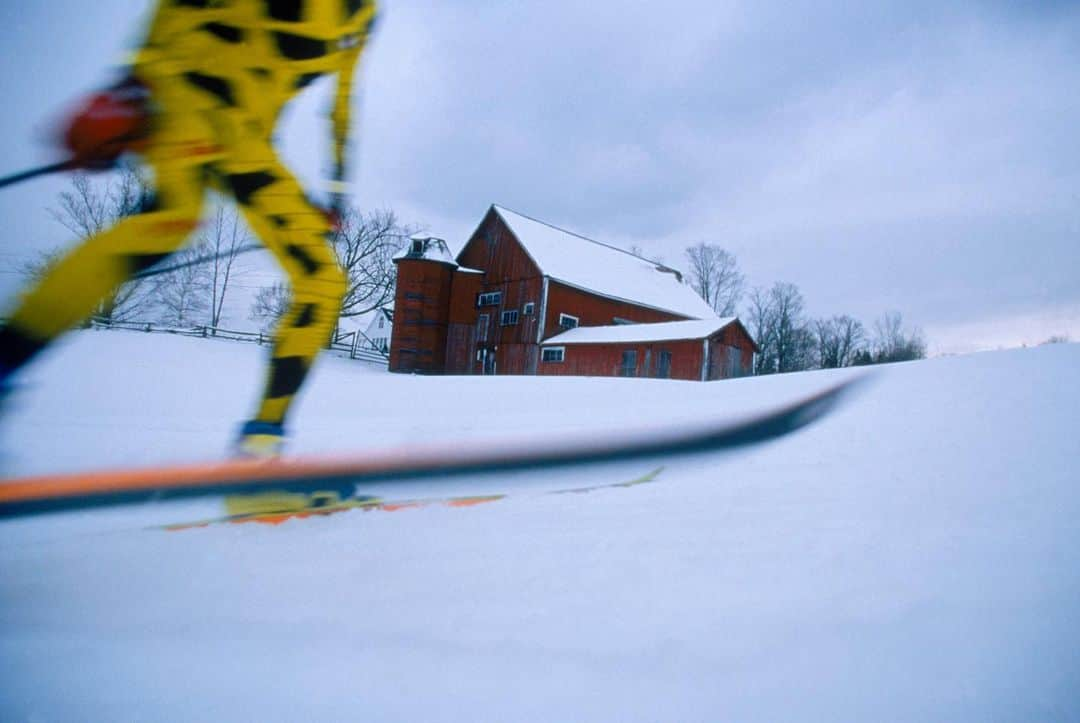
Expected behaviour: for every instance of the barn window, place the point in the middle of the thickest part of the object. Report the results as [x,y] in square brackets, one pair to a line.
[509,318]
[628,368]
[568,322]
[492,298]
[663,365]
[619,321]
[482,327]
[553,354]
[528,310]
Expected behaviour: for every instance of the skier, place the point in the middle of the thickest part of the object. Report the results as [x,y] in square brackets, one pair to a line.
[200,102]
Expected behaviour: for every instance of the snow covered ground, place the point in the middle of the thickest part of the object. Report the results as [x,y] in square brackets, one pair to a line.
[914,557]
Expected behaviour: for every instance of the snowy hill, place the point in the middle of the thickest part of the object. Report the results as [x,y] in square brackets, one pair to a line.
[913,557]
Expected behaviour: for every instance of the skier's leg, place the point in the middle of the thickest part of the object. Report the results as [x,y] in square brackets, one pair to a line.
[74,287]
[279,212]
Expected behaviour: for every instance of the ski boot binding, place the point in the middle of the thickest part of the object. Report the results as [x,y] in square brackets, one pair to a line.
[260,440]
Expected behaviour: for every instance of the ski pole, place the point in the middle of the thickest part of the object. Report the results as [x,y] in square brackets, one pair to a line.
[35,172]
[157,271]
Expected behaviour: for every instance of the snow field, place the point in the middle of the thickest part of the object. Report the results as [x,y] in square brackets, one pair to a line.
[913,557]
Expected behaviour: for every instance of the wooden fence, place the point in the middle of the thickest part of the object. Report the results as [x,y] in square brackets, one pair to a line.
[354,344]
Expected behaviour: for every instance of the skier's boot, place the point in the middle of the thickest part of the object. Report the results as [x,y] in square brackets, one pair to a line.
[260,440]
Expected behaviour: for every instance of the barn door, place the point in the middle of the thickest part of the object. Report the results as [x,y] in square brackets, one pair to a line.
[734,362]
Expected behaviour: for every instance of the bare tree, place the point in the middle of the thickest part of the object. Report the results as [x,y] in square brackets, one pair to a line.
[794,342]
[84,209]
[759,315]
[893,344]
[36,268]
[87,209]
[271,303]
[365,247]
[196,288]
[839,339]
[800,350]
[182,294]
[783,335]
[715,275]
[224,238]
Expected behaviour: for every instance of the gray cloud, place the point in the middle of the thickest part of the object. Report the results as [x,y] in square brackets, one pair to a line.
[881,155]
[888,155]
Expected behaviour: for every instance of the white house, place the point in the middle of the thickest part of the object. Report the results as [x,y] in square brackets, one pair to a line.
[378,331]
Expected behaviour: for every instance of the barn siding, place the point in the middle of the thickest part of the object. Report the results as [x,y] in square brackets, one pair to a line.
[687,357]
[460,338]
[593,310]
[494,249]
[732,336]
[508,269]
[461,325]
[463,297]
[605,360]
[421,311]
[515,295]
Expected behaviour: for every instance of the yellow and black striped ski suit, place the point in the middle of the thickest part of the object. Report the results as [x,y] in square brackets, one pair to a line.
[219,72]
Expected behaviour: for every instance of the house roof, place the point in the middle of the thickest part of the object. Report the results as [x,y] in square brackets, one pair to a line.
[605,270]
[641,333]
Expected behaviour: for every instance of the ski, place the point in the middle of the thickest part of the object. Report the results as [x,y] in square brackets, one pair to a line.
[272,508]
[337,478]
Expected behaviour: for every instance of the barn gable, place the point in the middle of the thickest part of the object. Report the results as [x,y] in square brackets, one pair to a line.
[496,249]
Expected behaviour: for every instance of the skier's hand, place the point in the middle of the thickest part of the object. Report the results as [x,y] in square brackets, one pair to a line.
[335,211]
[108,124]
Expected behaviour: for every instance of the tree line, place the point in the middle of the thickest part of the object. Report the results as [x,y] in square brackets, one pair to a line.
[190,287]
[789,339]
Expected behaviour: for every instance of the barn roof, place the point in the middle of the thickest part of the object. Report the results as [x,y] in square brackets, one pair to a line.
[604,270]
[641,333]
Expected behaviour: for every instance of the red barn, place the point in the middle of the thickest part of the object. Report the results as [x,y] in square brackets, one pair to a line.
[526,297]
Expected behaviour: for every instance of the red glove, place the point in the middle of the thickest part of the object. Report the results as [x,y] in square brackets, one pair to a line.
[335,213]
[109,123]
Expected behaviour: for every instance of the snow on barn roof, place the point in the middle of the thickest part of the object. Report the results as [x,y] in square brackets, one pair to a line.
[426,247]
[633,333]
[605,270]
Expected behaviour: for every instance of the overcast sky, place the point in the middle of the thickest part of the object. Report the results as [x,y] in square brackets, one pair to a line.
[912,156]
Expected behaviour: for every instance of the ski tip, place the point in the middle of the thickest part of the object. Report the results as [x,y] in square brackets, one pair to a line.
[800,413]
[817,406]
